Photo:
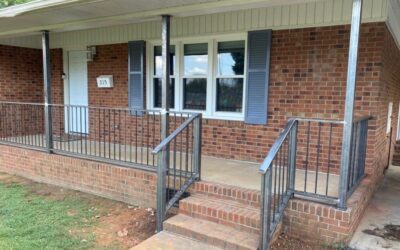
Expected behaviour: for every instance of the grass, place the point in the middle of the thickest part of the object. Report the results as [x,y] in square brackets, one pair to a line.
[29,221]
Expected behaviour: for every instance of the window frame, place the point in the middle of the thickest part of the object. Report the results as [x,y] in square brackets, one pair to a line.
[151,76]
[211,96]
[226,114]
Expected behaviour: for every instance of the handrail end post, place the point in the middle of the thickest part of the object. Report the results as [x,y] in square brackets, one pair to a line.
[162,158]
[197,128]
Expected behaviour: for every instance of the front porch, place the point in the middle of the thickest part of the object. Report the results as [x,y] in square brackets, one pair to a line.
[250,120]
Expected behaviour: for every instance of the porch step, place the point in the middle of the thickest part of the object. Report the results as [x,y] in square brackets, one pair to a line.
[225,212]
[211,233]
[243,195]
[166,240]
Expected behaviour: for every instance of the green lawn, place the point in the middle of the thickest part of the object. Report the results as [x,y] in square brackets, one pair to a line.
[31,221]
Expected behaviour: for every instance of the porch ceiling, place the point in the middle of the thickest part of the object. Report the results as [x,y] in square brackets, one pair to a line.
[66,15]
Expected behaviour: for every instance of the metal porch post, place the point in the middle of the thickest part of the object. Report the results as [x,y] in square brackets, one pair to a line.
[349,104]
[47,90]
[163,161]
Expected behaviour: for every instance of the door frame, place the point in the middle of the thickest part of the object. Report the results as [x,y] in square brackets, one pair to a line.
[66,79]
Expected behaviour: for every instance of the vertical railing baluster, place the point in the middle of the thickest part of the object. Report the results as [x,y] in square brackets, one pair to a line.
[329,159]
[307,151]
[293,156]
[197,130]
[318,155]
[136,136]
[265,210]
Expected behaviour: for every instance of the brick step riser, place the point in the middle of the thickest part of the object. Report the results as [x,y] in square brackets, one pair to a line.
[214,241]
[242,195]
[249,222]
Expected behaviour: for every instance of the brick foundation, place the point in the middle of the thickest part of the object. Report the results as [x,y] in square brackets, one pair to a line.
[325,224]
[129,185]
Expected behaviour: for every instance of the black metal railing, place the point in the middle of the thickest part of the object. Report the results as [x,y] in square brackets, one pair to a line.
[305,161]
[179,165]
[114,135]
[318,158]
[22,124]
[358,151]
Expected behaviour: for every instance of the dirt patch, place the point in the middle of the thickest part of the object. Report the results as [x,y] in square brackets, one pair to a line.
[389,232]
[285,242]
[125,226]
[117,225]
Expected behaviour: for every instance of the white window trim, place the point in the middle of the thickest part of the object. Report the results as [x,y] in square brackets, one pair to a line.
[210,112]
[398,124]
[389,117]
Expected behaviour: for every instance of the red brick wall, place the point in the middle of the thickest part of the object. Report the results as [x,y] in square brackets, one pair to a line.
[21,74]
[389,91]
[124,184]
[21,71]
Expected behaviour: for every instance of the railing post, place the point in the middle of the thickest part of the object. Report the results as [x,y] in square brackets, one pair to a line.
[163,157]
[47,90]
[197,145]
[293,153]
[349,102]
[265,230]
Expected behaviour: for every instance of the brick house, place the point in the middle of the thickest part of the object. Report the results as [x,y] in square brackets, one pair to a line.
[255,86]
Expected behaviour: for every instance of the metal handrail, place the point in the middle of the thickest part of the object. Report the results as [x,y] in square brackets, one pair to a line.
[174,134]
[362,118]
[275,148]
[301,119]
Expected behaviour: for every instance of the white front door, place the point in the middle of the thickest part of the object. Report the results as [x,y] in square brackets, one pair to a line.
[78,92]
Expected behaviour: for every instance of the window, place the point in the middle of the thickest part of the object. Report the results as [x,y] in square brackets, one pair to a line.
[157,73]
[230,77]
[207,76]
[195,61]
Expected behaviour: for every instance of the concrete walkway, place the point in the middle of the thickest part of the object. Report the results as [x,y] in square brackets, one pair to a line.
[384,209]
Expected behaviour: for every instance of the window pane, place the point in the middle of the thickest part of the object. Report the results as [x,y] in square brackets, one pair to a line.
[196,59]
[229,94]
[231,58]
[195,93]
[158,60]
[158,93]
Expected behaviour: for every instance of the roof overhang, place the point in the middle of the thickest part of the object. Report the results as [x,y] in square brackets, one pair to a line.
[394,20]
[68,15]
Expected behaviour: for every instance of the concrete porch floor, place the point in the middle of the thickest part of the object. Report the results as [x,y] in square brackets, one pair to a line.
[246,175]
[225,171]
[383,209]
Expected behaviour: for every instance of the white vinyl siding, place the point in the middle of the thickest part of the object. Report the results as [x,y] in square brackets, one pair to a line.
[311,14]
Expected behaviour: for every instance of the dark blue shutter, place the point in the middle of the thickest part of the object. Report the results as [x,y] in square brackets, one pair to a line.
[136,74]
[258,61]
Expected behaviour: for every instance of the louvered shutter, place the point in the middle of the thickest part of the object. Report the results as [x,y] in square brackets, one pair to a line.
[258,62]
